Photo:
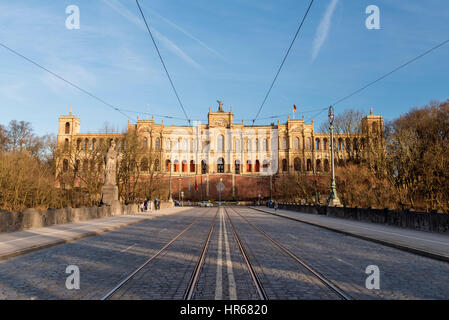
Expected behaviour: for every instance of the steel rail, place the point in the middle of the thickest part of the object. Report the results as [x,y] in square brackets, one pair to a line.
[260,290]
[196,273]
[133,274]
[328,283]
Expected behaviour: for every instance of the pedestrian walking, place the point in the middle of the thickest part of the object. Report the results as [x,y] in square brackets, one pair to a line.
[275,206]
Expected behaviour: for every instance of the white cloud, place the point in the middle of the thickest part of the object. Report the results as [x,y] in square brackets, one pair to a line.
[188,34]
[121,10]
[323,29]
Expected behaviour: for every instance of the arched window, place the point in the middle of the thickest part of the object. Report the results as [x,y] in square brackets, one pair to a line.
[237,167]
[257,166]
[248,166]
[375,128]
[297,164]
[192,166]
[309,143]
[340,144]
[326,165]
[158,144]
[348,144]
[176,166]
[94,144]
[66,144]
[65,165]
[284,165]
[168,144]
[249,145]
[220,165]
[265,166]
[317,144]
[296,144]
[257,145]
[284,143]
[168,165]
[86,144]
[237,145]
[203,167]
[144,165]
[265,145]
[145,143]
[220,142]
[67,128]
[184,166]
[318,165]
[325,146]
[309,165]
[355,146]
[78,144]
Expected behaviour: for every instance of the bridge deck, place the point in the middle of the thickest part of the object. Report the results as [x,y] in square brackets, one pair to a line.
[21,242]
[434,245]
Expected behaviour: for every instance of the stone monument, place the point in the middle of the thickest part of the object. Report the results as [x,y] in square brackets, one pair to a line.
[109,191]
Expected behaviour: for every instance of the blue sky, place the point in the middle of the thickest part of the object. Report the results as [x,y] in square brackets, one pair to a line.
[225,50]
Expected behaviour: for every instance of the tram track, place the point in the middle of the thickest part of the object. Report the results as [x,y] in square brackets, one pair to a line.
[110,294]
[320,277]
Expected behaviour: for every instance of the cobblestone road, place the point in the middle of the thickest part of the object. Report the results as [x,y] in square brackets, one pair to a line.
[344,259]
[106,259]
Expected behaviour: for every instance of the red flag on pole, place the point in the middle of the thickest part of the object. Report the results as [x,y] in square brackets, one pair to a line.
[294,108]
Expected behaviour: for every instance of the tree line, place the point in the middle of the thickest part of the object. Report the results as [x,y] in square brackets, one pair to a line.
[35,173]
[409,169]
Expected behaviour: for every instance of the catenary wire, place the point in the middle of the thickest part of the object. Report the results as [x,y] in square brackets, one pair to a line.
[163,64]
[65,80]
[283,61]
[391,72]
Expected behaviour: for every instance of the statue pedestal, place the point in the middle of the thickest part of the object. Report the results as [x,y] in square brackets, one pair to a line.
[109,194]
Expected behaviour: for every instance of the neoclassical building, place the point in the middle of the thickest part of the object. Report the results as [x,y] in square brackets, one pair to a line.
[222,149]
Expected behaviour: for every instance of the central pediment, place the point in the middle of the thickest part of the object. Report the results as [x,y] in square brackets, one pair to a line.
[220,119]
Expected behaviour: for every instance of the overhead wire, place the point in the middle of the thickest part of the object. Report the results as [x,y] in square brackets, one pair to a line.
[283,61]
[65,80]
[163,63]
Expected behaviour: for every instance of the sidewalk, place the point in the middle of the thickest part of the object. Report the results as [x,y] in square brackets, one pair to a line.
[21,242]
[433,245]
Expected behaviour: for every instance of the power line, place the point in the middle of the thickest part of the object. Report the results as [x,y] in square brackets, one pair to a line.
[285,115]
[153,114]
[65,80]
[283,61]
[163,64]
[391,72]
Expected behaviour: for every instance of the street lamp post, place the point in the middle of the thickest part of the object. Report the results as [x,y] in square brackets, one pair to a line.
[333,200]
[169,195]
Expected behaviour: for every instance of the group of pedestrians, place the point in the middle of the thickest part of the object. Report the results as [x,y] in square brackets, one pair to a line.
[148,205]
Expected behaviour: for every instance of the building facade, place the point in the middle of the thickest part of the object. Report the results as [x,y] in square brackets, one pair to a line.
[224,150]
